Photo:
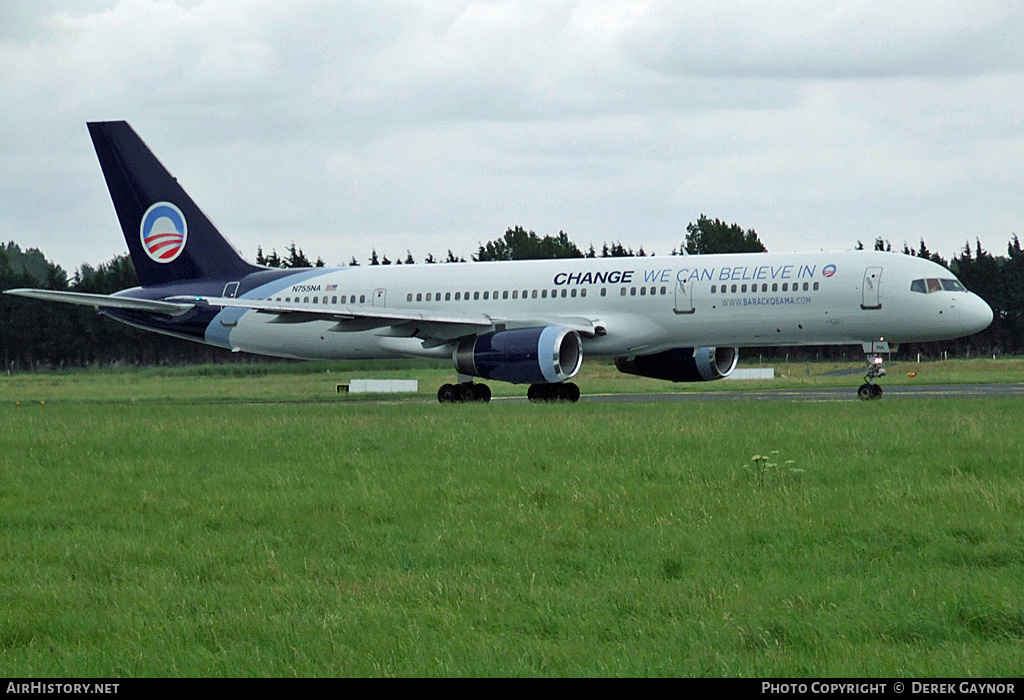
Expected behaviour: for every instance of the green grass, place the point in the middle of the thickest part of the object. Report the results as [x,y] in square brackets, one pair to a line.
[277,382]
[331,537]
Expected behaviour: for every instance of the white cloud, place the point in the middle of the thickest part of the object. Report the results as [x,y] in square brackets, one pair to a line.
[433,125]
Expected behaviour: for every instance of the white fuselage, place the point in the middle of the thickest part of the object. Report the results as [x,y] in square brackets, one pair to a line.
[641,305]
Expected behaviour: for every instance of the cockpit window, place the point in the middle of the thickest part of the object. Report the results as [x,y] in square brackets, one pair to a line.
[927,286]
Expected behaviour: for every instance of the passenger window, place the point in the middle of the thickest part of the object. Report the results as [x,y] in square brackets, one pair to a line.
[574,292]
[362,298]
[334,300]
[622,291]
[447,296]
[713,288]
[543,294]
[534,295]
[643,291]
[734,289]
[815,286]
[632,291]
[565,292]
[743,289]
[476,296]
[486,295]
[428,296]
[785,286]
[305,300]
[664,291]
[775,286]
[583,292]
[806,286]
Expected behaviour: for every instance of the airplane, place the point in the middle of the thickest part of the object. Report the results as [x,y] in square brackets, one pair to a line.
[679,318]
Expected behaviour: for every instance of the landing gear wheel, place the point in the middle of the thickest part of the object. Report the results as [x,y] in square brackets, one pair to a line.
[448,393]
[537,393]
[566,391]
[462,393]
[867,392]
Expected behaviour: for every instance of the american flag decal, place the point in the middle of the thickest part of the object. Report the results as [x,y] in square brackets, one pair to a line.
[331,287]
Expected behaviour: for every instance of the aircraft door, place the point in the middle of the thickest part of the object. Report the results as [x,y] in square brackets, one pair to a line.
[230,290]
[684,297]
[870,299]
[379,297]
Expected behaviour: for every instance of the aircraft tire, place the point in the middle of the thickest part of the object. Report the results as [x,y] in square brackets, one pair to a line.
[865,392]
[447,394]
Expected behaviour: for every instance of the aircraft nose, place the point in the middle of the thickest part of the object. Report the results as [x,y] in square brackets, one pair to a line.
[977,314]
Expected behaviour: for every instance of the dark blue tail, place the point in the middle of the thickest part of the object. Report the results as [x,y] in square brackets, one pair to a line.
[169,238]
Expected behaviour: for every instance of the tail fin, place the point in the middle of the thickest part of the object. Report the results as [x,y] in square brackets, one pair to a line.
[169,238]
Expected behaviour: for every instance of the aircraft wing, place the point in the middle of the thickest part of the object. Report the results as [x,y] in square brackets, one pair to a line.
[424,324]
[106,301]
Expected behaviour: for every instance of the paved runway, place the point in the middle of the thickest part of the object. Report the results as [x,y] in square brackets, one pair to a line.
[937,391]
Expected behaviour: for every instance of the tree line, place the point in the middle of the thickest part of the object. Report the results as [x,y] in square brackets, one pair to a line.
[36,334]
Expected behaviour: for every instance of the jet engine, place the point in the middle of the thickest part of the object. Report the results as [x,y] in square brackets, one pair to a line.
[522,355]
[703,364]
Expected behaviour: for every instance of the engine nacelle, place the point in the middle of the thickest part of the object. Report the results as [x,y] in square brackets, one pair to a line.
[702,364]
[522,355]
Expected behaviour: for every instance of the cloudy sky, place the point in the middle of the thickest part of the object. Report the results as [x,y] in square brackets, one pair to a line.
[434,125]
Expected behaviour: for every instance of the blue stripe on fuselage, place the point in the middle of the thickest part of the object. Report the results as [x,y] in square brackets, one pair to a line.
[218,332]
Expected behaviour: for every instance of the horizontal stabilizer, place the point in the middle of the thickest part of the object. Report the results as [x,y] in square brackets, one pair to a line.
[105,301]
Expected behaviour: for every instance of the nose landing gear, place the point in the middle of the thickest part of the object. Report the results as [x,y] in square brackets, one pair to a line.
[869,390]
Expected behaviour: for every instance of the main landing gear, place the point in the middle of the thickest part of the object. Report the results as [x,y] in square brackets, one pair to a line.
[564,391]
[869,390]
[481,393]
[465,392]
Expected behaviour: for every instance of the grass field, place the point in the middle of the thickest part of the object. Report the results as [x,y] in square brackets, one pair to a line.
[216,523]
[317,381]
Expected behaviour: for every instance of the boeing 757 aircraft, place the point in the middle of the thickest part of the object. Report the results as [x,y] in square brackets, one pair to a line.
[681,319]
